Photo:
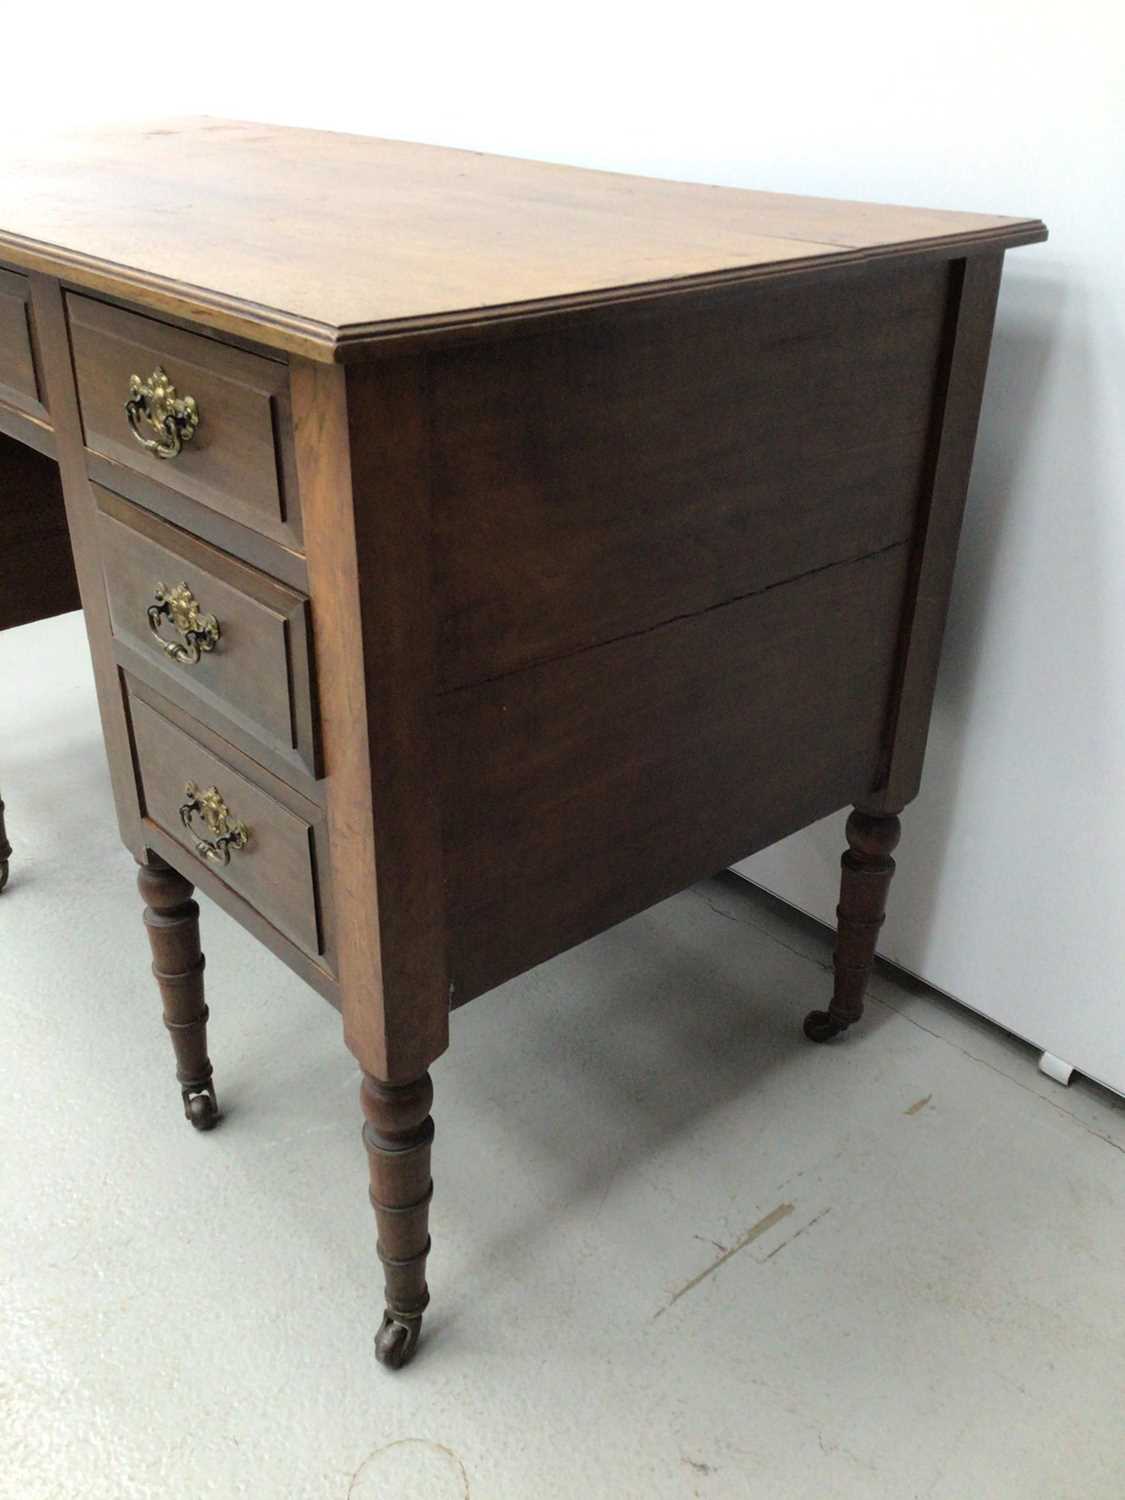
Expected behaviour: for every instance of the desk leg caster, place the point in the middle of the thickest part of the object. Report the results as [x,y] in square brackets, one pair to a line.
[397,1133]
[5,851]
[172,923]
[201,1109]
[865,877]
[822,1026]
[397,1340]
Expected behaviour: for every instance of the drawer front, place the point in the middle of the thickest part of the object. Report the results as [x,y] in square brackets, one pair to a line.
[238,461]
[245,653]
[274,870]
[19,376]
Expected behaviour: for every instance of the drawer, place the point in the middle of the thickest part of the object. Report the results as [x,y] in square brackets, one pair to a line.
[274,870]
[19,374]
[250,661]
[238,461]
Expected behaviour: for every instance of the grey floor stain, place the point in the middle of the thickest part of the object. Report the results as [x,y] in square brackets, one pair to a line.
[782,1211]
[376,1453]
[814,1220]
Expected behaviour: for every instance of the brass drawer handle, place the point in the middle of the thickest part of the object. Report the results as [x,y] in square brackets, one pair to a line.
[225,832]
[153,404]
[200,632]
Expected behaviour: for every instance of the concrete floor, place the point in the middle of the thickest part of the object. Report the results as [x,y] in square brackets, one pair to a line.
[678,1251]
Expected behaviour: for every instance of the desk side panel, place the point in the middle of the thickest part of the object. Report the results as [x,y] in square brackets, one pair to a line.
[676,565]
[959,391]
[582,790]
[606,478]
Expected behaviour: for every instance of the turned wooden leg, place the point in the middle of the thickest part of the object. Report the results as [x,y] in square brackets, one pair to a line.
[5,850]
[397,1134]
[172,920]
[866,870]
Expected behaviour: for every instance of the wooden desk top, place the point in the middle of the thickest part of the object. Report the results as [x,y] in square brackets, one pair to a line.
[324,244]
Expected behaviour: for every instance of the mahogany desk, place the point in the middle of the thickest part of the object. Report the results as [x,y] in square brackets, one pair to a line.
[475,552]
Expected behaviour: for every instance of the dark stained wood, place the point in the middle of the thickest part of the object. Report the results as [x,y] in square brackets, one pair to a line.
[315,975]
[630,532]
[172,922]
[580,791]
[276,871]
[362,462]
[239,462]
[36,564]
[20,385]
[330,245]
[190,325]
[62,400]
[5,850]
[866,868]
[33,432]
[259,673]
[974,289]
[594,482]
[249,546]
[398,1132]
[320,972]
[37,578]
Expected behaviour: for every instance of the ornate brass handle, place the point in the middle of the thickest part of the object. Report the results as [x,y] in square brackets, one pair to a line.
[154,405]
[179,605]
[225,832]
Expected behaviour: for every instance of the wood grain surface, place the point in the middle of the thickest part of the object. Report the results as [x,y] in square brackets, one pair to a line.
[362,461]
[49,316]
[275,872]
[314,241]
[239,461]
[259,673]
[961,374]
[582,790]
[595,481]
[19,375]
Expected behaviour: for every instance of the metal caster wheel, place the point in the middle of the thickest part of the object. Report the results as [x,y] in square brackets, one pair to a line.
[397,1340]
[202,1110]
[821,1026]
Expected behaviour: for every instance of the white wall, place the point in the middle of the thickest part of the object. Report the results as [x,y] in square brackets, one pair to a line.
[1011,893]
